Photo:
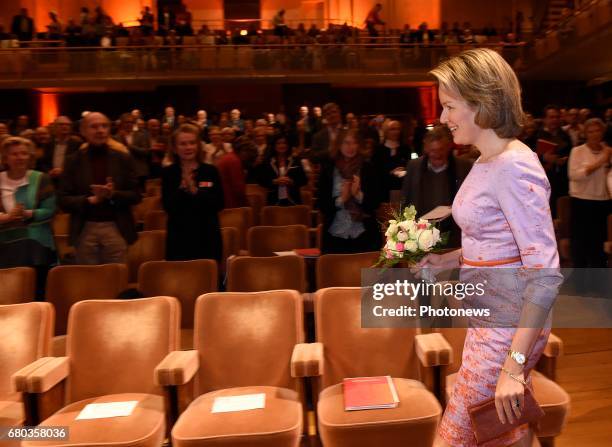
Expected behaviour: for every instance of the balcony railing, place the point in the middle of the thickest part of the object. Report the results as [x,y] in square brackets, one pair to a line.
[197,61]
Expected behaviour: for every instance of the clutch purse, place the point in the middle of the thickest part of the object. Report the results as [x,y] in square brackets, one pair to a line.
[485,420]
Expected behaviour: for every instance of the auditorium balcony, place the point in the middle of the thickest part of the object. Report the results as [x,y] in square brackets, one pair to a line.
[581,40]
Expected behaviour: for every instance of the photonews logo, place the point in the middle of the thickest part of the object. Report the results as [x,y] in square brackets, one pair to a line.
[412,290]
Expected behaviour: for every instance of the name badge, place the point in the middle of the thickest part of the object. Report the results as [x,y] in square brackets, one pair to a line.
[205,185]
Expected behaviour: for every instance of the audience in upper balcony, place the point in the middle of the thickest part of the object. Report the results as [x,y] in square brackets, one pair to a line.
[23,25]
[98,188]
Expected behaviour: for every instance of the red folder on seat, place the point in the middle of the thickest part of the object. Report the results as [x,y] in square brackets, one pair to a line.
[369,393]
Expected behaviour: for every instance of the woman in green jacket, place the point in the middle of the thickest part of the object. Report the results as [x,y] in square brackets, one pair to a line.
[27,204]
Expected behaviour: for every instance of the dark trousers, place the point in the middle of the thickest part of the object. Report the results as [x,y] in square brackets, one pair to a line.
[589,232]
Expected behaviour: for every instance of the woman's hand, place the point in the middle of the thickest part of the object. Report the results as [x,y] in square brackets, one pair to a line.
[356,186]
[436,263]
[509,397]
[345,191]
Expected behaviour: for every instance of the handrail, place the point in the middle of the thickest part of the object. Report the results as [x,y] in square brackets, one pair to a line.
[265,46]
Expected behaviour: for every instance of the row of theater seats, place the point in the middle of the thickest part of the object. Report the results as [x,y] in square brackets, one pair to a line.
[185,280]
[244,343]
[240,219]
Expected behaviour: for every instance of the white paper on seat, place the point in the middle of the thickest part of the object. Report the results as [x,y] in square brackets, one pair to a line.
[227,404]
[438,213]
[108,410]
[285,253]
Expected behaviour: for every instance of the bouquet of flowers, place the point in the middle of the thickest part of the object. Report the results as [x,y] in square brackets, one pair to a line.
[410,240]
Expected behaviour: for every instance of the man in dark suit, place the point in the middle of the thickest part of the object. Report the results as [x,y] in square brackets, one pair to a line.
[136,142]
[433,179]
[23,26]
[98,188]
[63,144]
[323,142]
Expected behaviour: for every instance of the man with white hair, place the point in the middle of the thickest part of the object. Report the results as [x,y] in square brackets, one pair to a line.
[235,121]
[98,188]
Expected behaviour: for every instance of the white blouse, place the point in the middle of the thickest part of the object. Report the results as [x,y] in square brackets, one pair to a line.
[8,187]
[581,185]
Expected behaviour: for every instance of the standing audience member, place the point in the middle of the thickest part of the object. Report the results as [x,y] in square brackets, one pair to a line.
[588,170]
[573,128]
[348,197]
[136,142]
[27,204]
[192,196]
[373,19]
[324,141]
[554,160]
[390,159]
[283,174]
[23,25]
[217,148]
[157,144]
[434,178]
[98,188]
[63,145]
[232,167]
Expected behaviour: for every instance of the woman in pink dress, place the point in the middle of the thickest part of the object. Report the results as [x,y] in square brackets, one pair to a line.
[502,209]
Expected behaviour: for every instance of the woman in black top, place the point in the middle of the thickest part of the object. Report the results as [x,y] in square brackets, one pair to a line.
[283,175]
[390,159]
[192,196]
[348,197]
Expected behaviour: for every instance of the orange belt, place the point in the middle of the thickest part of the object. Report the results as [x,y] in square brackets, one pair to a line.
[462,260]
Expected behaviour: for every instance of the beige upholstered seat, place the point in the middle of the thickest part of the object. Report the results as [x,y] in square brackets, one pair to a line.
[17,285]
[257,274]
[286,215]
[343,270]
[239,218]
[253,357]
[150,246]
[113,348]
[25,331]
[265,240]
[184,280]
[353,351]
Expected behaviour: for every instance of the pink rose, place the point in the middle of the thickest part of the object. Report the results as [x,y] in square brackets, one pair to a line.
[399,246]
[388,254]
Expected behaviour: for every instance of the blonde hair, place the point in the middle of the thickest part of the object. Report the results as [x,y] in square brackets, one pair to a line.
[190,129]
[483,79]
[10,142]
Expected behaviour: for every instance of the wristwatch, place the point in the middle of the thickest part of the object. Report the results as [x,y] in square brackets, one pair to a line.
[518,357]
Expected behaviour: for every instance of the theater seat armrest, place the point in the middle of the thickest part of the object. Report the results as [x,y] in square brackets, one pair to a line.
[47,375]
[19,379]
[307,360]
[554,346]
[177,368]
[433,350]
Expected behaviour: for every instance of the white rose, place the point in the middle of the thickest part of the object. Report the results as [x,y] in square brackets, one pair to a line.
[393,222]
[391,245]
[411,246]
[402,236]
[425,240]
[436,235]
[391,230]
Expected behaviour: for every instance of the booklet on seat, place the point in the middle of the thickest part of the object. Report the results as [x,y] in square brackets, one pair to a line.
[107,410]
[369,393]
[227,404]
